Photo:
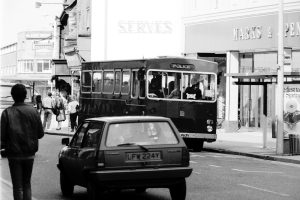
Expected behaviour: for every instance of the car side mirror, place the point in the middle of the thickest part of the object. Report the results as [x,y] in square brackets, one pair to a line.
[65,141]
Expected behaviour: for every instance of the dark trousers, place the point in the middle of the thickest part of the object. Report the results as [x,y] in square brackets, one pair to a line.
[47,118]
[20,171]
[73,119]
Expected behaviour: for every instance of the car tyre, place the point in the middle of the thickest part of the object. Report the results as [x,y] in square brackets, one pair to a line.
[67,188]
[178,191]
[93,191]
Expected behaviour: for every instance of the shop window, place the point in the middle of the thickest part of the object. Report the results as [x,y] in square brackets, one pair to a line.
[296,61]
[246,62]
[265,62]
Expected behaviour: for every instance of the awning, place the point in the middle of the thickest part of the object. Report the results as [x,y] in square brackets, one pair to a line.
[73,60]
[258,78]
[60,67]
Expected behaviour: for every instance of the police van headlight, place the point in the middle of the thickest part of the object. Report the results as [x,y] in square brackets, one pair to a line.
[209,128]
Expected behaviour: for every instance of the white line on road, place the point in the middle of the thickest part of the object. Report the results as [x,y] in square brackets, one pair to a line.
[214,166]
[267,172]
[193,162]
[6,182]
[196,172]
[197,156]
[264,190]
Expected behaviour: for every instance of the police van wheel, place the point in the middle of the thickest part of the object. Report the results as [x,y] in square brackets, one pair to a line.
[197,145]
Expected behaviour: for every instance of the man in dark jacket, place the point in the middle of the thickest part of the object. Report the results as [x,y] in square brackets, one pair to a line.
[21,127]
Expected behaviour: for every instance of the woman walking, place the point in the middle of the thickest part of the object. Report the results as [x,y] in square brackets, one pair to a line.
[73,108]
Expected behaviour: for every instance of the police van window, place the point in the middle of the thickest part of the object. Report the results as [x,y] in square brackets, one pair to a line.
[155,89]
[117,82]
[108,77]
[198,86]
[97,81]
[125,82]
[173,88]
[86,81]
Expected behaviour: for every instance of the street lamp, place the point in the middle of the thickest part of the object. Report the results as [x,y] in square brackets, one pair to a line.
[39,4]
[280,81]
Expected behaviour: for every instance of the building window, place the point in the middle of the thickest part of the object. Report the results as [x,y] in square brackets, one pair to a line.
[25,66]
[43,66]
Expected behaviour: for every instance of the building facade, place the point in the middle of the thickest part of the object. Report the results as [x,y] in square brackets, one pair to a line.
[242,37]
[29,60]
[73,44]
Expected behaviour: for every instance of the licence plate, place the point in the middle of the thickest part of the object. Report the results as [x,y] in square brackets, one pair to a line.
[143,156]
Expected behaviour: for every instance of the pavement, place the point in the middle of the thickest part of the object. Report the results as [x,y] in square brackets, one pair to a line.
[246,142]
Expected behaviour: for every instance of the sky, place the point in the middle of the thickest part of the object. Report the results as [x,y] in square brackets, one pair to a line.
[22,15]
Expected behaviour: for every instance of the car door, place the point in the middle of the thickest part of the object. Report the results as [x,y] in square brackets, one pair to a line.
[71,161]
[85,157]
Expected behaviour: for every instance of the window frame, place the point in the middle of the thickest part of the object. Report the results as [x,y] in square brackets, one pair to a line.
[103,86]
[101,89]
[181,86]
[129,81]
[115,81]
[91,73]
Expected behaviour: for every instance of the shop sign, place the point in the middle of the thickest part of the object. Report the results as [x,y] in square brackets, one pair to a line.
[291,29]
[145,27]
[291,116]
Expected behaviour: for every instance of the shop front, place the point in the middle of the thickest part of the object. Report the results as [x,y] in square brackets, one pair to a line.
[250,47]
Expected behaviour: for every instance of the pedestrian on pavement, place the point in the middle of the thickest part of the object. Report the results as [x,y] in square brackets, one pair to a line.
[21,127]
[48,106]
[73,108]
[39,103]
[60,107]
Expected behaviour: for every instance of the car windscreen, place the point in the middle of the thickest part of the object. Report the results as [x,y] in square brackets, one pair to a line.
[140,133]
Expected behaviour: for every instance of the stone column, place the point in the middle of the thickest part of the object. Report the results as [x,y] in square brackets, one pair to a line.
[231,112]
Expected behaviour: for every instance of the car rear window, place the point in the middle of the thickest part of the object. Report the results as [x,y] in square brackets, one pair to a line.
[143,133]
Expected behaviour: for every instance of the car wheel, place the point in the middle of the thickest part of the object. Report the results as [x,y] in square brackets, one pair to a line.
[178,191]
[66,186]
[140,190]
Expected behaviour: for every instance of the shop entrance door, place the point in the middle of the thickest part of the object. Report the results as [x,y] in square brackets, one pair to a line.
[250,105]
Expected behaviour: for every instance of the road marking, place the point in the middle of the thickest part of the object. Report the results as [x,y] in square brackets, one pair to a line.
[6,182]
[214,166]
[264,190]
[197,156]
[287,164]
[10,185]
[193,162]
[246,171]
[196,172]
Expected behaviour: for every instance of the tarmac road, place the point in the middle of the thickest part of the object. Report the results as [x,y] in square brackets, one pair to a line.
[215,176]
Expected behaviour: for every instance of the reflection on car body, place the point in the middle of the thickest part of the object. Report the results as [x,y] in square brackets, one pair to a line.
[136,152]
